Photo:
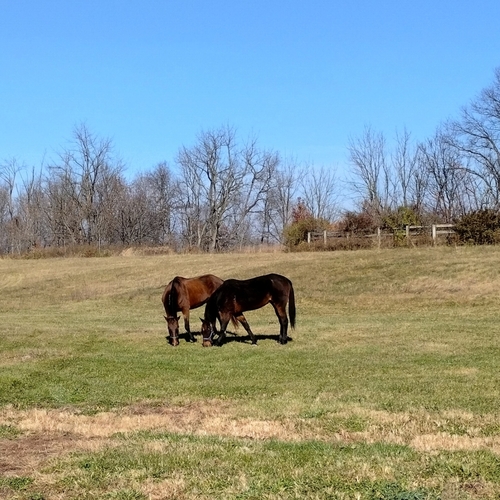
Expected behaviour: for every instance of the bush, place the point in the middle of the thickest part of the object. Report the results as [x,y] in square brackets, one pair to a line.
[400,218]
[296,232]
[481,227]
[357,222]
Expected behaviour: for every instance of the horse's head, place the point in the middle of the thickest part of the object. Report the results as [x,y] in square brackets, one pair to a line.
[173,329]
[207,332]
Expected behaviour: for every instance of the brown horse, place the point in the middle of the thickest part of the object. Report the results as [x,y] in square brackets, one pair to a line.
[234,297]
[183,294]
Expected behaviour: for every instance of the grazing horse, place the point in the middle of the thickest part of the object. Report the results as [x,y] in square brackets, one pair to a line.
[183,294]
[234,297]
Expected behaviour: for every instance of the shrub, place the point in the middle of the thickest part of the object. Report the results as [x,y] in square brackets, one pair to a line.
[400,218]
[397,220]
[357,222]
[481,227]
[296,232]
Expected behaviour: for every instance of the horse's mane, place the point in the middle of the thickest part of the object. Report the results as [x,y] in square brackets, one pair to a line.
[173,297]
[211,309]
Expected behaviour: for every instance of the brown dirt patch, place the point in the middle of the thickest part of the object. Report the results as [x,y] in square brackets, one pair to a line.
[25,454]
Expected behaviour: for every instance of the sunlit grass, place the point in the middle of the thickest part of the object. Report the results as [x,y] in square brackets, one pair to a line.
[390,382]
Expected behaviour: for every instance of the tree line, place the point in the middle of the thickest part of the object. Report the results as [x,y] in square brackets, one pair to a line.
[223,192]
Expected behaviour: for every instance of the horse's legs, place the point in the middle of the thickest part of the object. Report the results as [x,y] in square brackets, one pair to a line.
[222,334]
[246,326]
[280,310]
[186,326]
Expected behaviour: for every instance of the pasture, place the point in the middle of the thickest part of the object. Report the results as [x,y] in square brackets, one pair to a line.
[389,388]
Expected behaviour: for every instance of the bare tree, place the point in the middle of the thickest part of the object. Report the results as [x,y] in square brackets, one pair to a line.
[210,178]
[476,135]
[145,208]
[5,243]
[164,197]
[259,171]
[9,171]
[450,187]
[371,180]
[320,190]
[278,202]
[222,186]
[405,166]
[79,185]
[33,208]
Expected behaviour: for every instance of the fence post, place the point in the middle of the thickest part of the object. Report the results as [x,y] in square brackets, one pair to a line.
[324,237]
[309,237]
[379,237]
[434,234]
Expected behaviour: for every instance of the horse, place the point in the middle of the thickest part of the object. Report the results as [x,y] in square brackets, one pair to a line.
[234,297]
[183,294]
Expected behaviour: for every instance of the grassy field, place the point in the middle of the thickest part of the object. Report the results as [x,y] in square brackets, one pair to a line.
[389,390]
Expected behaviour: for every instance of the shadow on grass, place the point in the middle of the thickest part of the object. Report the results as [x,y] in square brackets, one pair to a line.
[233,337]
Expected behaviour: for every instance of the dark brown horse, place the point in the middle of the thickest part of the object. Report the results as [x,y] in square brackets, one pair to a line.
[183,294]
[234,297]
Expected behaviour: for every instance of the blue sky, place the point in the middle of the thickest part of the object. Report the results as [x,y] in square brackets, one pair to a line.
[301,76]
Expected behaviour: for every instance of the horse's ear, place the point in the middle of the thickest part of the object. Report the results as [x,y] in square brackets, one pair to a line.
[166,319]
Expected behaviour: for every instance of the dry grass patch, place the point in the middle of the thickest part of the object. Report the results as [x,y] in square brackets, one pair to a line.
[449,442]
[421,430]
[467,288]
[166,489]
[202,418]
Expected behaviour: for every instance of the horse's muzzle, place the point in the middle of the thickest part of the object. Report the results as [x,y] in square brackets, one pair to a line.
[173,341]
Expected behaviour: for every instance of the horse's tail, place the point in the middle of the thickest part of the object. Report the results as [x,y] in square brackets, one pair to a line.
[234,321]
[291,306]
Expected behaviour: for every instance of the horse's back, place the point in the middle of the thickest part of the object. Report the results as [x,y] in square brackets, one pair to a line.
[268,282]
[238,296]
[210,282]
[199,289]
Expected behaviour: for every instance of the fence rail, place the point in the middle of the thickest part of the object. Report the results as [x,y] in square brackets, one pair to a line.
[434,231]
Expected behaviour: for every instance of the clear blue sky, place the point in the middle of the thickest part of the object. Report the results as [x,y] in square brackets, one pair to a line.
[302,76]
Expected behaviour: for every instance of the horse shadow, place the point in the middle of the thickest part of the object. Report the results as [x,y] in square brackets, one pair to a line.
[246,339]
[183,336]
[233,337]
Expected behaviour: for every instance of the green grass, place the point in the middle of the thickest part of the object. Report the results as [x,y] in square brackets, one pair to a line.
[256,470]
[388,390]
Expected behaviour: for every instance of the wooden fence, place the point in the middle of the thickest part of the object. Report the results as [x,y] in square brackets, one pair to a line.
[434,231]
